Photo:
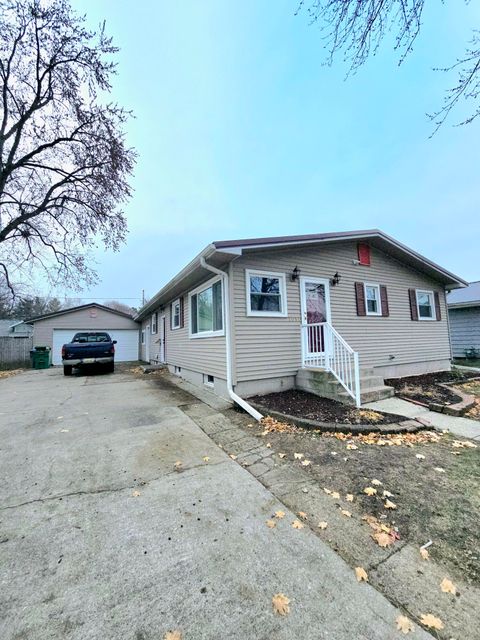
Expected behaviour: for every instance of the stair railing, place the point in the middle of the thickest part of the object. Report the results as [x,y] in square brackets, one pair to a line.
[324,348]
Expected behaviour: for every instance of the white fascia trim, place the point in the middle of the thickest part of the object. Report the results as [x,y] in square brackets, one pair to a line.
[283,294]
[432,298]
[377,287]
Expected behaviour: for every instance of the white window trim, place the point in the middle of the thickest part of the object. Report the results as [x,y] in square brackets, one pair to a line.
[179,326]
[154,323]
[283,294]
[205,334]
[376,286]
[206,381]
[432,298]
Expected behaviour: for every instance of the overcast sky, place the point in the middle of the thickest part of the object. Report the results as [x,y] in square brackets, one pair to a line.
[242,131]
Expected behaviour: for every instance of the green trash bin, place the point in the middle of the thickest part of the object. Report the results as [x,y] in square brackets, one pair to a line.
[40,357]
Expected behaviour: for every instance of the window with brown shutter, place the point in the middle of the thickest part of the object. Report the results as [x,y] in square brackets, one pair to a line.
[360,297]
[412,296]
[438,312]
[384,301]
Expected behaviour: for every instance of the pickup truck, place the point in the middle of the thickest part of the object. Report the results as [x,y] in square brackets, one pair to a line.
[87,348]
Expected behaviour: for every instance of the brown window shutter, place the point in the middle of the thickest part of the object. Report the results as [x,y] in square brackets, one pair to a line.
[360,296]
[438,311]
[182,314]
[384,301]
[413,304]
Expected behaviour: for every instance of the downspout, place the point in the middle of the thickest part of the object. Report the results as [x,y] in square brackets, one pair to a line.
[228,343]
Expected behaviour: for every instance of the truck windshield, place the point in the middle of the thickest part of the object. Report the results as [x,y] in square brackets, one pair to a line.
[91,337]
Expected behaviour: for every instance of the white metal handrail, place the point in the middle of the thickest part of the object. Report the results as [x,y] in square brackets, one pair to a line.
[324,347]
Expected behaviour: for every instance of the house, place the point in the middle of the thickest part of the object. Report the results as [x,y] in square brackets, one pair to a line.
[57,328]
[464,316]
[334,313]
[14,329]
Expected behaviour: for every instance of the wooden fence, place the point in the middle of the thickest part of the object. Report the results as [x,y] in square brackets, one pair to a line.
[15,352]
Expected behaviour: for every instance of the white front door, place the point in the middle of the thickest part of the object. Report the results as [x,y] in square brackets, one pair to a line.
[162,340]
[315,308]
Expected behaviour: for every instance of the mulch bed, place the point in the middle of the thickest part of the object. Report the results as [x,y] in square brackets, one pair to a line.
[426,388]
[306,405]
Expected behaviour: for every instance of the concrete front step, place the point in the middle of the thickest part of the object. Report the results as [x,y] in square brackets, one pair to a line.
[325,385]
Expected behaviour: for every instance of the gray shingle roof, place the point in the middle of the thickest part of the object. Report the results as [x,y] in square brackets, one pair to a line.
[467,296]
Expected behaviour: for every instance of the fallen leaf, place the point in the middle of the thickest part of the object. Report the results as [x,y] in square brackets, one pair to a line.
[370,491]
[306,463]
[335,495]
[296,524]
[361,574]
[279,514]
[404,624]
[298,456]
[173,635]
[271,524]
[424,553]
[302,515]
[177,464]
[349,497]
[280,604]
[327,491]
[376,483]
[439,469]
[282,455]
[233,456]
[322,525]
[389,504]
[387,494]
[382,539]
[135,494]
[352,447]
[431,621]
[420,456]
[268,445]
[345,513]
[206,458]
[447,586]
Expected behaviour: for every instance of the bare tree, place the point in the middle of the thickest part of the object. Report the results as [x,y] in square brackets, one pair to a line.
[356,28]
[64,163]
[120,306]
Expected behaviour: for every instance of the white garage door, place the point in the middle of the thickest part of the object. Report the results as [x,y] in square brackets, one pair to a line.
[126,348]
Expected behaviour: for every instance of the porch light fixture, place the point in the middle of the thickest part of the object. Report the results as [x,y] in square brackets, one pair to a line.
[335,280]
[295,274]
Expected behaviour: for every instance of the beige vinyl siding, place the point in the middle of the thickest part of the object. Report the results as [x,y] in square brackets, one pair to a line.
[203,355]
[81,319]
[270,347]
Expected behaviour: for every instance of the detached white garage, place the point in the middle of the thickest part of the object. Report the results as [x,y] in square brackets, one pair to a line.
[56,329]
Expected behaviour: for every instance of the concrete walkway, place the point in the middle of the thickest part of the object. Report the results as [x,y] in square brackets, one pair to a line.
[101,538]
[462,427]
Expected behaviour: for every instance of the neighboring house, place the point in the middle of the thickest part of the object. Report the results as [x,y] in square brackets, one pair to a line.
[464,315]
[246,316]
[14,329]
[55,329]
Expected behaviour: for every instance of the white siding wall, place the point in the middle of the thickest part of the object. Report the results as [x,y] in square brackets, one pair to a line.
[464,329]
[270,347]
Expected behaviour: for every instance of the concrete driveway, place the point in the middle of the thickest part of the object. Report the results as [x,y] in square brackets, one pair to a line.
[100,537]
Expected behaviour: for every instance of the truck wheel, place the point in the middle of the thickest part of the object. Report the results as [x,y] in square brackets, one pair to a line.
[67,371]
[110,367]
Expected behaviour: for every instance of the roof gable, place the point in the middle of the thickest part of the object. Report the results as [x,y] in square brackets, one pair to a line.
[79,308]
